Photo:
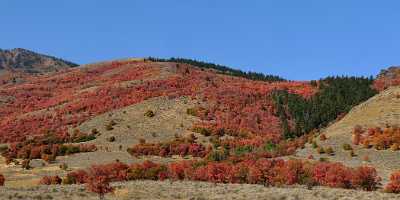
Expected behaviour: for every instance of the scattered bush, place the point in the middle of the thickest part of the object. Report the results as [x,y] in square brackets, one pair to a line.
[111,139]
[347,147]
[98,182]
[149,113]
[322,137]
[201,130]
[329,151]
[191,111]
[320,150]
[2,180]
[314,145]
[50,180]
[179,146]
[46,148]
[63,166]
[379,138]
[394,185]
[26,164]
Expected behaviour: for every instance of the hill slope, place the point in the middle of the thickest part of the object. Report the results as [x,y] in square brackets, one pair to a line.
[381,110]
[230,128]
[22,60]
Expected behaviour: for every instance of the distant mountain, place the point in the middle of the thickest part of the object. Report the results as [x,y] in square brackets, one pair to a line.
[22,60]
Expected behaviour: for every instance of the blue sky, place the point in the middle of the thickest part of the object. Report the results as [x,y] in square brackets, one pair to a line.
[296,39]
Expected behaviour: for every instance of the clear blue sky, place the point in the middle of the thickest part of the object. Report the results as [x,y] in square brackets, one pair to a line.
[296,39]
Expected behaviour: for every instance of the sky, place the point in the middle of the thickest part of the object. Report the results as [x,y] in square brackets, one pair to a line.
[295,39]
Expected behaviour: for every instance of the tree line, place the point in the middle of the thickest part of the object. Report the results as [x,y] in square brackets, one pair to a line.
[222,69]
[336,96]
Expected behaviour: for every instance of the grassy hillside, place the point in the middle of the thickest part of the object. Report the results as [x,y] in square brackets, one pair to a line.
[193,120]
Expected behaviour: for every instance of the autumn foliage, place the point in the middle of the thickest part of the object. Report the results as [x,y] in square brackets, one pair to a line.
[394,185]
[2,180]
[98,181]
[179,146]
[72,97]
[380,139]
[47,147]
[50,180]
[272,172]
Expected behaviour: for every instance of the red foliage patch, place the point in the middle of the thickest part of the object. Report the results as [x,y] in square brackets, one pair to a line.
[378,138]
[179,146]
[46,147]
[50,180]
[72,97]
[394,185]
[261,171]
[2,180]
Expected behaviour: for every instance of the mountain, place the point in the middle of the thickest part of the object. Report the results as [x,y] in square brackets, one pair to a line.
[22,60]
[181,119]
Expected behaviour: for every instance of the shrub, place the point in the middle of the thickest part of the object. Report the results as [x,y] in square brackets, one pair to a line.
[352,153]
[76,177]
[149,113]
[50,180]
[347,147]
[109,127]
[243,150]
[99,184]
[365,178]
[394,185]
[2,180]
[379,138]
[191,111]
[314,145]
[252,171]
[366,158]
[94,131]
[323,159]
[322,137]
[217,155]
[63,166]
[111,139]
[329,150]
[203,131]
[3,148]
[269,146]
[25,164]
[142,141]
[320,150]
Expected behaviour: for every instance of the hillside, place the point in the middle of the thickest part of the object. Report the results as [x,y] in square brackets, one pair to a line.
[18,64]
[387,78]
[180,119]
[379,111]
[22,60]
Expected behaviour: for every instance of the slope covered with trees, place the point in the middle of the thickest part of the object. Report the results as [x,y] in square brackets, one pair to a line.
[335,97]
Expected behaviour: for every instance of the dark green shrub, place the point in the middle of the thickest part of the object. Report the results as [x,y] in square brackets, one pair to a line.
[191,111]
[243,150]
[269,146]
[202,131]
[149,113]
[111,139]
